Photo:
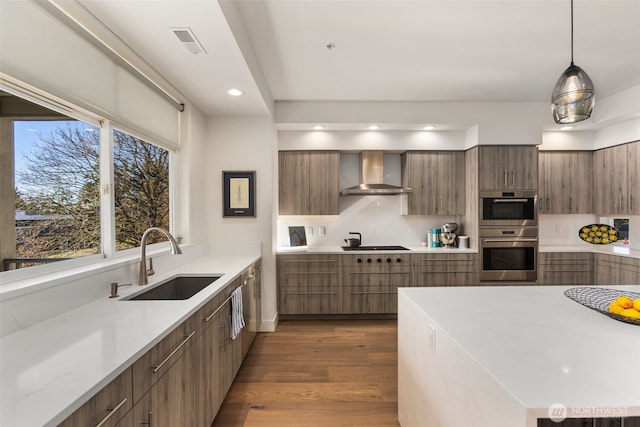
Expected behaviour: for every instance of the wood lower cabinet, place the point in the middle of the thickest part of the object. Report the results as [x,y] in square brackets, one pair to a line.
[183,379]
[616,270]
[370,282]
[309,284]
[171,401]
[565,268]
[445,270]
[108,407]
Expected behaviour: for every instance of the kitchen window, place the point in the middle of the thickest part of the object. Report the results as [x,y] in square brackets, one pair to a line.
[141,181]
[53,188]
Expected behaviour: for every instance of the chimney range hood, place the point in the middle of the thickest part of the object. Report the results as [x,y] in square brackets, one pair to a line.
[372,177]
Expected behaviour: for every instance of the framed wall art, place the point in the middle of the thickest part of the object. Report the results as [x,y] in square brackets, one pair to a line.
[239,193]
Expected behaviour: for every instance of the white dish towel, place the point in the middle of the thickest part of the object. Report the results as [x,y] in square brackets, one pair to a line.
[237,321]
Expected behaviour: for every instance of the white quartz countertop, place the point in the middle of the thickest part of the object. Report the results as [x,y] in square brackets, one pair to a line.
[618,250]
[49,370]
[541,346]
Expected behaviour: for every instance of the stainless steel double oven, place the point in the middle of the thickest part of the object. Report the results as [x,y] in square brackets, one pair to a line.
[508,236]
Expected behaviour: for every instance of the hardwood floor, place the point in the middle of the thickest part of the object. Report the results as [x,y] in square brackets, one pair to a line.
[327,373]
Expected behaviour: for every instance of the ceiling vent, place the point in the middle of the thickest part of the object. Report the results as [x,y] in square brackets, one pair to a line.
[189,40]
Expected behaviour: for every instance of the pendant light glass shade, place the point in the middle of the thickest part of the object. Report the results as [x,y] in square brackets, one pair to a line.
[573,97]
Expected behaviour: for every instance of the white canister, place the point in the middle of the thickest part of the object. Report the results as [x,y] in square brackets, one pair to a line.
[463,242]
[429,239]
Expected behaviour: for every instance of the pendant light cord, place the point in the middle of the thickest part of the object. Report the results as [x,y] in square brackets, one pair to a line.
[572,32]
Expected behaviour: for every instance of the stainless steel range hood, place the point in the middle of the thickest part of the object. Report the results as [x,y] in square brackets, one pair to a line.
[372,177]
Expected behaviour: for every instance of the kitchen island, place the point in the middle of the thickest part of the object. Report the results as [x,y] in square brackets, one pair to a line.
[502,356]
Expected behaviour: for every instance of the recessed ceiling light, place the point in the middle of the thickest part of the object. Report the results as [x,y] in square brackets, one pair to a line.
[374,127]
[566,127]
[318,127]
[235,92]
[429,127]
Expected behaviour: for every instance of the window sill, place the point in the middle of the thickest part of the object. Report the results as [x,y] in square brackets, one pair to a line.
[33,279]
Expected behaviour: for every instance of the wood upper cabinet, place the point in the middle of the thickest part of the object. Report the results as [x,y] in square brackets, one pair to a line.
[565,182]
[617,179]
[309,183]
[508,167]
[437,180]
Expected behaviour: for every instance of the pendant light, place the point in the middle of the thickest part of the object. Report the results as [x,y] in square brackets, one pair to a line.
[573,96]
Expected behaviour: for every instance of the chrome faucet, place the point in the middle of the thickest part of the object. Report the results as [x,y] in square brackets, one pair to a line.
[142,272]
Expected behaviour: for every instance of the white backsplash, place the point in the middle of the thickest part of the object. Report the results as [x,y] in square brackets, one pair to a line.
[376,217]
[563,229]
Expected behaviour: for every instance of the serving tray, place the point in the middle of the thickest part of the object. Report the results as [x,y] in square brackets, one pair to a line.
[598,299]
[598,234]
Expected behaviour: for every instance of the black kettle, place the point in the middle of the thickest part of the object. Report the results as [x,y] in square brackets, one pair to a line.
[353,242]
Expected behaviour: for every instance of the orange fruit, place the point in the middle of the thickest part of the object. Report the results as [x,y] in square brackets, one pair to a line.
[631,312]
[636,304]
[615,308]
[624,301]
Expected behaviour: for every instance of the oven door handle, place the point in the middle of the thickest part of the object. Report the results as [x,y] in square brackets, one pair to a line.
[510,239]
[510,200]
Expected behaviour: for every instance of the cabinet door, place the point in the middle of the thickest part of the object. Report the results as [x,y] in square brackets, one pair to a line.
[308,284]
[508,167]
[610,170]
[170,401]
[565,182]
[493,164]
[633,174]
[445,270]
[450,183]
[437,180]
[324,185]
[293,183]
[616,270]
[309,183]
[565,268]
[522,170]
[370,282]
[108,406]
[153,364]
[208,374]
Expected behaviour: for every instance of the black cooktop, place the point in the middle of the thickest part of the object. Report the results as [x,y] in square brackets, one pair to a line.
[376,248]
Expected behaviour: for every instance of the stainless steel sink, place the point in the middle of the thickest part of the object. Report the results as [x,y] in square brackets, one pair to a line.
[178,288]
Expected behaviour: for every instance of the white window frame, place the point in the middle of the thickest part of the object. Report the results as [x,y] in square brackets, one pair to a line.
[107,198]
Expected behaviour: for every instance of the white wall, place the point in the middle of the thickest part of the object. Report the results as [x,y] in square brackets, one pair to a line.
[243,144]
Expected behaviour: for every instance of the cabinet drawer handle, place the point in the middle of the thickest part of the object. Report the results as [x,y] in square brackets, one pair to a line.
[187,338]
[148,422]
[505,177]
[111,412]
[513,178]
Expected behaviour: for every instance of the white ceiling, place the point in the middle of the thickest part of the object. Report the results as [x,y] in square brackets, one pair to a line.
[385,50]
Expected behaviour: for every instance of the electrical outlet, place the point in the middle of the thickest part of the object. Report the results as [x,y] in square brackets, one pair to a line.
[431,338]
[322,230]
[558,229]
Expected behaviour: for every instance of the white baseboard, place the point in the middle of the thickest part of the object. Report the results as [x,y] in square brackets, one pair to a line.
[269,325]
